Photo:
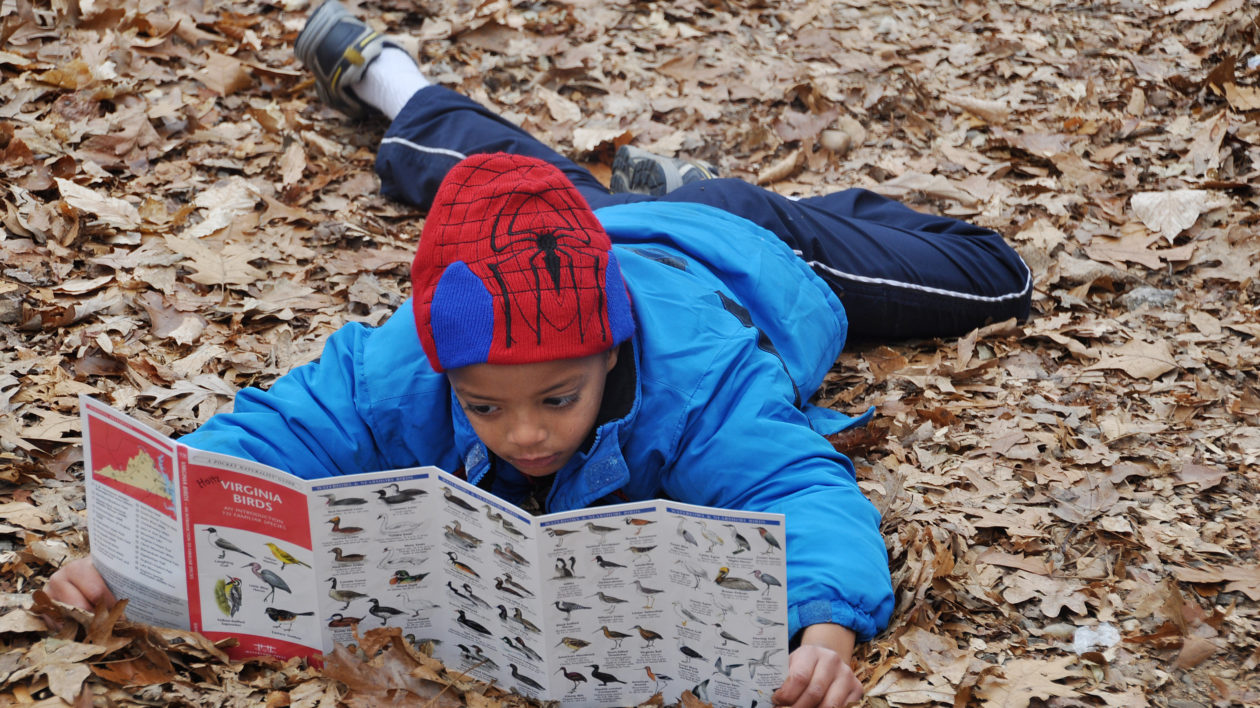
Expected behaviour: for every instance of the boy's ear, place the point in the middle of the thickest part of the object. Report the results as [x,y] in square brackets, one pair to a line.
[612,359]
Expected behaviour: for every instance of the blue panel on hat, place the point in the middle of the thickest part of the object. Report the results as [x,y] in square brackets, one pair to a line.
[620,316]
[462,318]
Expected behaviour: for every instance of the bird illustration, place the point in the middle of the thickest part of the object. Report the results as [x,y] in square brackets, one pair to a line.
[607,565]
[403,577]
[648,635]
[332,500]
[614,635]
[393,499]
[338,528]
[227,595]
[688,651]
[713,538]
[723,606]
[768,579]
[763,660]
[342,557]
[343,595]
[475,655]
[459,537]
[728,637]
[765,623]
[511,528]
[224,545]
[559,534]
[573,676]
[285,557]
[503,615]
[472,624]
[686,614]
[741,543]
[455,591]
[520,644]
[574,643]
[461,566]
[474,597]
[269,577]
[507,580]
[564,570]
[601,531]
[502,587]
[491,514]
[516,674]
[772,543]
[395,558]
[521,620]
[397,528]
[641,552]
[685,534]
[278,615]
[697,574]
[451,497]
[337,620]
[648,593]
[410,492]
[607,599]
[656,679]
[568,607]
[382,612]
[506,552]
[724,669]
[731,583]
[701,691]
[604,678]
[640,523]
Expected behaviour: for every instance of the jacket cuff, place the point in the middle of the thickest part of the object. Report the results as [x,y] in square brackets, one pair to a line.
[838,612]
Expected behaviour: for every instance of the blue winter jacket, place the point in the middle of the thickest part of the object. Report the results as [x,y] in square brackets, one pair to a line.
[734,333]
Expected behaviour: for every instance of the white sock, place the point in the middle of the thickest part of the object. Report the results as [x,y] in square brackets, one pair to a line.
[390,81]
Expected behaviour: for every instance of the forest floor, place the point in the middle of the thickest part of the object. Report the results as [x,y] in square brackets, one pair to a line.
[1070,503]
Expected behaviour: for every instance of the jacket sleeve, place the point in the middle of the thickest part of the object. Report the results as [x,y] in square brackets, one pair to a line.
[369,403]
[748,447]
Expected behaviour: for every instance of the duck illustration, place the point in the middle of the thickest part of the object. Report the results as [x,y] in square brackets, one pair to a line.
[472,624]
[461,566]
[342,557]
[455,500]
[338,528]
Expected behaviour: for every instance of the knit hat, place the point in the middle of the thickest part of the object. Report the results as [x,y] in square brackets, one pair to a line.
[514,268]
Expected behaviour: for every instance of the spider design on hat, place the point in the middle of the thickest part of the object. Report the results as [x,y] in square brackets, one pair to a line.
[545,248]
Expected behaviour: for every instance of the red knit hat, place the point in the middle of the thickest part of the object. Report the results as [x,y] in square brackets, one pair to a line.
[514,268]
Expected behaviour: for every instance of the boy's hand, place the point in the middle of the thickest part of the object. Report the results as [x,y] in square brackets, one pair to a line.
[819,675]
[78,583]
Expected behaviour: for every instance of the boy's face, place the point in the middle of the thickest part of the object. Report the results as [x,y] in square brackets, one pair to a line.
[534,416]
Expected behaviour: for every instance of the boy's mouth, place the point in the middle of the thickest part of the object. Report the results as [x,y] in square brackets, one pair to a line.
[531,464]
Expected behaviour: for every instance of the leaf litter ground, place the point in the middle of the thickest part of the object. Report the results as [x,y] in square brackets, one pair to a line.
[1069,503]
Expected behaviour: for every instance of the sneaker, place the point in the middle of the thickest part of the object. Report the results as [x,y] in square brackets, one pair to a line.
[641,172]
[337,47]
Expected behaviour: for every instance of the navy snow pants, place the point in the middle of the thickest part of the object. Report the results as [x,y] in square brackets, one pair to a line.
[899,273]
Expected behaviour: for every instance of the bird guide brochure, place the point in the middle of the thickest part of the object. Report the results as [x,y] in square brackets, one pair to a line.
[603,606]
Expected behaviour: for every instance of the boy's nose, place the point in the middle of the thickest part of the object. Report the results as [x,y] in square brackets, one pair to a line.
[526,433]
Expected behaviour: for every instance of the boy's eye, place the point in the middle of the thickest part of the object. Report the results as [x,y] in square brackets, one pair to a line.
[479,409]
[560,401]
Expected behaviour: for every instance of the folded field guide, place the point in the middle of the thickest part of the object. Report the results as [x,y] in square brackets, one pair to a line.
[596,607]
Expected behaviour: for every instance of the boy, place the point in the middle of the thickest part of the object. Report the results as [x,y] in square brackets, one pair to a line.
[666,346]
